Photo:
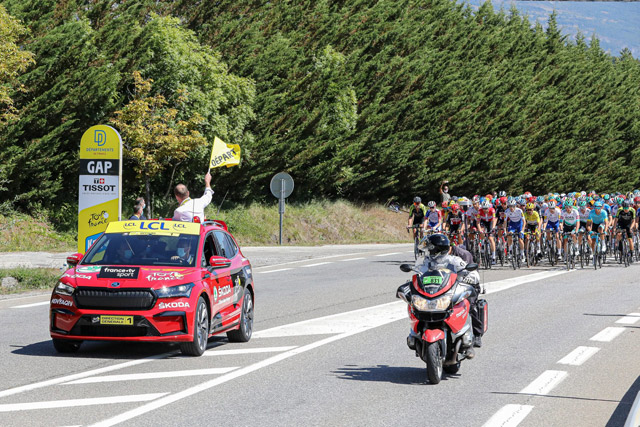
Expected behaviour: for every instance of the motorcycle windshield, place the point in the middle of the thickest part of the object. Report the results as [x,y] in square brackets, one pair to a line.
[433,281]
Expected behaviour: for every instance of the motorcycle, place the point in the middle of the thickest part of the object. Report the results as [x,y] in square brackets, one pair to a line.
[439,312]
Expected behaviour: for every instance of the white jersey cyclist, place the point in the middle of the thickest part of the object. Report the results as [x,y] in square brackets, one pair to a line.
[570,218]
[553,214]
[515,215]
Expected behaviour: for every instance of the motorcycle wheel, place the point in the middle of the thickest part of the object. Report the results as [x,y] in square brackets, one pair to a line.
[434,363]
[452,369]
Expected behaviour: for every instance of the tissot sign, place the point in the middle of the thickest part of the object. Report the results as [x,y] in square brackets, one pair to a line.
[99,192]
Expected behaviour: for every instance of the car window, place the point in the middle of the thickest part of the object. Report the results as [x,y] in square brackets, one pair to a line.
[209,250]
[223,244]
[232,245]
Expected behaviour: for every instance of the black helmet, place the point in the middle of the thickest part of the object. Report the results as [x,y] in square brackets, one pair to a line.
[438,245]
[417,200]
[502,194]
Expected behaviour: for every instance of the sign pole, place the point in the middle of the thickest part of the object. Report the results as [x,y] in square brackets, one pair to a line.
[281,210]
[281,187]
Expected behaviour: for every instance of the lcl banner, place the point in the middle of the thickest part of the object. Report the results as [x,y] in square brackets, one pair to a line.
[100,189]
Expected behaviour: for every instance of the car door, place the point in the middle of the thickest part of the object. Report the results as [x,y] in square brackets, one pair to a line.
[230,285]
[217,280]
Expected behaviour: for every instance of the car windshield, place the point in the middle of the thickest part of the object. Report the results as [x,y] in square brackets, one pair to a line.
[144,249]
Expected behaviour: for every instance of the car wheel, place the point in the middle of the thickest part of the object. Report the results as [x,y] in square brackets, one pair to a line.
[66,346]
[243,334]
[200,331]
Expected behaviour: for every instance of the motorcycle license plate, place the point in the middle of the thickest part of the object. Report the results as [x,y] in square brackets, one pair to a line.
[116,320]
[432,280]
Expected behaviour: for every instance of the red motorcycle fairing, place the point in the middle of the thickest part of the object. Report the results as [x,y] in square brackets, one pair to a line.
[458,318]
[433,335]
[451,280]
[413,319]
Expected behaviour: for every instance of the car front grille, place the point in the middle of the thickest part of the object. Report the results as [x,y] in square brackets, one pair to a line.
[114,299]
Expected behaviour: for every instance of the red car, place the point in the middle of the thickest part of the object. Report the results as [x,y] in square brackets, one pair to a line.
[155,280]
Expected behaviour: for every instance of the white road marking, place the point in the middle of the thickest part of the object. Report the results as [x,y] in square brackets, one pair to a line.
[316,264]
[11,407]
[578,356]
[352,259]
[607,334]
[501,285]
[274,271]
[629,319]
[30,305]
[357,320]
[85,374]
[217,381]
[390,253]
[153,375]
[309,259]
[509,416]
[545,383]
[247,351]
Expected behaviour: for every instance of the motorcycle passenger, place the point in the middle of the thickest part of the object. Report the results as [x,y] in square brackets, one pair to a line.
[439,256]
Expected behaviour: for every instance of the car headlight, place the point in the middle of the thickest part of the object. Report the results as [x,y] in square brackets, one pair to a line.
[64,289]
[423,304]
[180,291]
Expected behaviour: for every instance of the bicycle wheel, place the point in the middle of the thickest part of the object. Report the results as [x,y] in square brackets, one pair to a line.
[582,255]
[500,251]
[625,252]
[415,247]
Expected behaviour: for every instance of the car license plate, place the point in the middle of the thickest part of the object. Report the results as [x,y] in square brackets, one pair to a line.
[116,320]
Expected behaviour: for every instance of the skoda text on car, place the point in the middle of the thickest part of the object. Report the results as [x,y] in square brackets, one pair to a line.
[164,281]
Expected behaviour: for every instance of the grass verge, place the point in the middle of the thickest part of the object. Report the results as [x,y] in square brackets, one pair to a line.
[29,279]
[20,232]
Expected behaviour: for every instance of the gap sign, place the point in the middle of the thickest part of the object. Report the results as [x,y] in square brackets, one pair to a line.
[100,186]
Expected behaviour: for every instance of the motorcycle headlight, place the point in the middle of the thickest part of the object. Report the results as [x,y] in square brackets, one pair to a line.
[437,304]
[180,291]
[64,289]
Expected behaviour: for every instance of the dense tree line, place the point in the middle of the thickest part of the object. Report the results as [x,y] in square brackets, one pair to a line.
[358,99]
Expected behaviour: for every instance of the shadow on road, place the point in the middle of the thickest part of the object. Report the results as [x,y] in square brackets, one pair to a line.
[116,350]
[386,373]
[621,413]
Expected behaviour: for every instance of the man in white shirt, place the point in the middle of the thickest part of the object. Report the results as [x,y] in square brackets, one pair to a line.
[189,208]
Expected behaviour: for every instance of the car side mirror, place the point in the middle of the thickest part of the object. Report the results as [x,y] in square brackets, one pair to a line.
[219,262]
[472,266]
[406,268]
[74,259]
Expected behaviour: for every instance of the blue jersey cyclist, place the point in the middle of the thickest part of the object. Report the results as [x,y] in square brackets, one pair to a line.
[598,222]
[515,224]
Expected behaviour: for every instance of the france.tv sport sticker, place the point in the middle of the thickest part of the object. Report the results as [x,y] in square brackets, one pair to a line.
[119,273]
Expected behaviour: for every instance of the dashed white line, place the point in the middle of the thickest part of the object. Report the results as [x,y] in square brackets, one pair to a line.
[544,383]
[389,254]
[607,334]
[352,259]
[247,351]
[317,264]
[274,271]
[153,375]
[11,407]
[578,356]
[502,285]
[629,319]
[509,416]
[30,305]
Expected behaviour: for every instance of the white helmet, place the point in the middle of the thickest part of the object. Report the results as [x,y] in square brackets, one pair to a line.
[486,205]
[431,204]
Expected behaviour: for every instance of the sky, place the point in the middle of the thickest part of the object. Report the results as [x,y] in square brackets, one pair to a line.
[616,24]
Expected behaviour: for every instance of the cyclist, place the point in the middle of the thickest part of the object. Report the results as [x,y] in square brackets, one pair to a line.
[625,221]
[552,218]
[487,217]
[584,212]
[598,219]
[434,218]
[569,221]
[534,224]
[515,224]
[417,214]
[454,223]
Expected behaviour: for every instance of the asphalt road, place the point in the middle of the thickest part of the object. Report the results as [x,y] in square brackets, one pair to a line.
[329,349]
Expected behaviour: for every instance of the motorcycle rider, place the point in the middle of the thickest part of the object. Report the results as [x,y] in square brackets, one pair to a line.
[438,249]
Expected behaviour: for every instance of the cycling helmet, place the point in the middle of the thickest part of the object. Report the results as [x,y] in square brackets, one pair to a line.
[637,199]
[417,200]
[455,207]
[486,204]
[489,197]
[545,206]
[476,199]
[539,199]
[465,202]
[568,203]
[598,205]
[530,206]
[627,203]
[445,205]
[527,194]
[431,204]
[552,203]
[563,195]
[619,200]
[502,194]
[438,244]
[582,203]
[503,199]
[606,197]
[512,202]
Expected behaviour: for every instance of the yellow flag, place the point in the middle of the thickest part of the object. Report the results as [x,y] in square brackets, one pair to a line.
[223,154]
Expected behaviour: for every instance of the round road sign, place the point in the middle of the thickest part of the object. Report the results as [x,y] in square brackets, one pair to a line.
[277,183]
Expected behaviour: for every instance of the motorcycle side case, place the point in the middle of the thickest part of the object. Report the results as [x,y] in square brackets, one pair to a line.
[483,311]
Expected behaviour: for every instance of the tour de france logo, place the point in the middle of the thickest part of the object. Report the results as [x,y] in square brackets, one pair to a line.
[98,218]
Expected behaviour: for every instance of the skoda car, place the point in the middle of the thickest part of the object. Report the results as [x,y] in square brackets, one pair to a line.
[155,280]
